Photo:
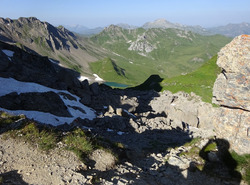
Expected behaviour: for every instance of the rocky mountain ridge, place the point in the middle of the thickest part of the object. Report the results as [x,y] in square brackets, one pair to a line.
[229,30]
[162,23]
[44,39]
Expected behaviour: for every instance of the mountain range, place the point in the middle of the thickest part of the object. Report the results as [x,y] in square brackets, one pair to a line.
[229,30]
[143,52]
[124,54]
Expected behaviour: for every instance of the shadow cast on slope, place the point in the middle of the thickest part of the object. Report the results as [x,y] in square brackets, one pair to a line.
[140,147]
[12,177]
[29,67]
[219,161]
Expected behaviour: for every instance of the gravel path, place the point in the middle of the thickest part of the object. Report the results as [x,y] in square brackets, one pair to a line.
[22,164]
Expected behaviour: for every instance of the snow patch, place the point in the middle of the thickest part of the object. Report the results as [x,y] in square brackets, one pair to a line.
[116,54]
[120,133]
[109,130]
[52,61]
[82,78]
[8,52]
[86,128]
[130,114]
[11,85]
[97,78]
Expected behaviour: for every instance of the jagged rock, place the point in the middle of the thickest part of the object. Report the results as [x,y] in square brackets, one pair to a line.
[85,85]
[111,109]
[86,98]
[231,90]
[33,68]
[119,111]
[232,86]
[183,108]
[45,102]
[129,104]
[95,88]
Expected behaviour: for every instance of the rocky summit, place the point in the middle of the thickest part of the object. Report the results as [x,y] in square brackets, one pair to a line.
[146,137]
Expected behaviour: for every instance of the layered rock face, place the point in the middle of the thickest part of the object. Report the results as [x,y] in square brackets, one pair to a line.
[231,92]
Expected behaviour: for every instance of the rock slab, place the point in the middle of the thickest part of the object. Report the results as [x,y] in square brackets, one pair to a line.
[231,92]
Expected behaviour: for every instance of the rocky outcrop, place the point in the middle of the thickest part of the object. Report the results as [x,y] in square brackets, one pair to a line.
[27,67]
[141,45]
[45,102]
[231,92]
[184,110]
[232,86]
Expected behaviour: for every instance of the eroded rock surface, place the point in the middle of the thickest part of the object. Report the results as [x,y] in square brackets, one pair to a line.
[231,91]
[232,86]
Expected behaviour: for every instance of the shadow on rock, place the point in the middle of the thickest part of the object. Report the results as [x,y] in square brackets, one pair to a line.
[219,161]
[12,177]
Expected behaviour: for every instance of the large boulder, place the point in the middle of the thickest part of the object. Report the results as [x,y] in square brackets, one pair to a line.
[231,92]
[232,86]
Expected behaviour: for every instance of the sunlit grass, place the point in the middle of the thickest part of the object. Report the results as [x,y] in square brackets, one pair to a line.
[200,81]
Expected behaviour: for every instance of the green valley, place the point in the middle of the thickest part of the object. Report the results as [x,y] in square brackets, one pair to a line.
[141,53]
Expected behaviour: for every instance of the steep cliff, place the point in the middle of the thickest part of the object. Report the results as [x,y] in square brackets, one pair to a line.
[231,92]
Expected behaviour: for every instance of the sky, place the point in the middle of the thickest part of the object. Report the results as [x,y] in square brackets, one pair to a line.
[95,13]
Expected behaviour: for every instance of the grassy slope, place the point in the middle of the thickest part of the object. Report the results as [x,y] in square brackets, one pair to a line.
[108,70]
[200,81]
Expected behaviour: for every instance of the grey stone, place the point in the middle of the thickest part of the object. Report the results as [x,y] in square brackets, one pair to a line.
[119,111]
[102,160]
[231,91]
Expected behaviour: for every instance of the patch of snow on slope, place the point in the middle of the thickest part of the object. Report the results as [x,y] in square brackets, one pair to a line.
[8,52]
[54,62]
[9,85]
[97,78]
[82,78]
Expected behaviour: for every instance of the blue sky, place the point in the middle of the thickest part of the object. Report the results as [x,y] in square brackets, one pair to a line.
[94,13]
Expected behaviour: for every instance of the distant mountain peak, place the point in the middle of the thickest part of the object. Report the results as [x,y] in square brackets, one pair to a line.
[161,20]
[112,27]
[24,19]
[159,23]
[126,26]
[232,30]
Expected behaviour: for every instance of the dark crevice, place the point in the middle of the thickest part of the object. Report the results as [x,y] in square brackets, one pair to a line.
[224,73]
[229,107]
